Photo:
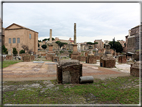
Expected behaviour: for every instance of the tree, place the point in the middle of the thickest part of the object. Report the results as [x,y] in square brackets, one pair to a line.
[39,40]
[44,46]
[116,46]
[22,51]
[49,39]
[14,51]
[60,43]
[4,50]
[90,47]
[38,45]
[45,39]
[25,47]
[90,43]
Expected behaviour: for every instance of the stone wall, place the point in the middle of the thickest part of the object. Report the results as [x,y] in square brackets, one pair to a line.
[91,59]
[26,58]
[122,59]
[9,57]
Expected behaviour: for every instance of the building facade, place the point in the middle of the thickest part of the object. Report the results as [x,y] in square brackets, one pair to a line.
[132,39]
[15,36]
[100,44]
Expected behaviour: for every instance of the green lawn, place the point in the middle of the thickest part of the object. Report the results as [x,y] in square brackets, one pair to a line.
[122,90]
[9,62]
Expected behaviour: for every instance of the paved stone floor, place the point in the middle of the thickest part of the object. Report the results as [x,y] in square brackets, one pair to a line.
[45,70]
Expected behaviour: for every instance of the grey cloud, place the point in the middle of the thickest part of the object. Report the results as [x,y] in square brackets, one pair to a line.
[92,19]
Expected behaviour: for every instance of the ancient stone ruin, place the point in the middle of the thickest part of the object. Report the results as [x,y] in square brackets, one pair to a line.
[75,53]
[107,60]
[50,53]
[9,57]
[69,71]
[122,59]
[135,69]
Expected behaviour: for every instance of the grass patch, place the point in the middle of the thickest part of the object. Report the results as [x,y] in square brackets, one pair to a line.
[121,90]
[9,62]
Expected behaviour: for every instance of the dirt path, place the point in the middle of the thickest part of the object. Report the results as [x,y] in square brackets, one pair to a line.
[26,71]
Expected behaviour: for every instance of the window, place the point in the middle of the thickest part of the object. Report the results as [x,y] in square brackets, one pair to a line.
[14,40]
[9,40]
[30,36]
[18,40]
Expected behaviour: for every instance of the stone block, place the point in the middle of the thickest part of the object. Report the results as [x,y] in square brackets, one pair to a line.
[135,57]
[108,63]
[82,58]
[97,57]
[69,71]
[49,56]
[9,57]
[122,59]
[91,59]
[55,59]
[135,69]
[74,56]
[26,58]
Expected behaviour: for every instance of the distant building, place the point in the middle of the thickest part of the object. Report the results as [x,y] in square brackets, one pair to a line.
[132,39]
[100,44]
[16,35]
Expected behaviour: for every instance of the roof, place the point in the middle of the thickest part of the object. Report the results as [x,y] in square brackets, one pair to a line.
[21,27]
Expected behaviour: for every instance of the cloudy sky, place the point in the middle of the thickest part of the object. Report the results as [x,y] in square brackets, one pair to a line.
[93,20]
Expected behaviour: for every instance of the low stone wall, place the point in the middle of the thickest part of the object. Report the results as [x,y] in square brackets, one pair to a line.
[91,59]
[9,57]
[24,54]
[69,72]
[55,59]
[122,59]
[26,58]
[82,58]
[49,56]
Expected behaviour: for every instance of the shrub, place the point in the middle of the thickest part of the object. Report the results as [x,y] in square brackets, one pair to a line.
[4,50]
[14,51]
[22,51]
[61,51]
[44,46]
